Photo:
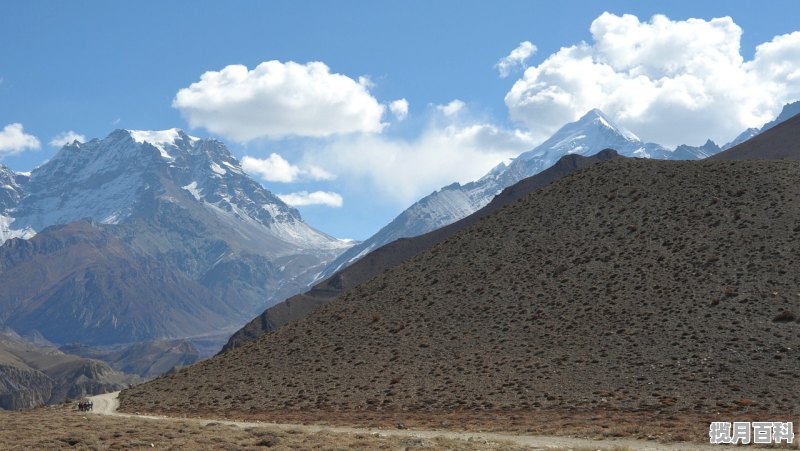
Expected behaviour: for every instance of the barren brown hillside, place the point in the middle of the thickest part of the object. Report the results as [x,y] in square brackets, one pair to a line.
[633,284]
[396,252]
[781,142]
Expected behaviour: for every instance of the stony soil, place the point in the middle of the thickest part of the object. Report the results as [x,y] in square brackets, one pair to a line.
[396,252]
[634,285]
[64,428]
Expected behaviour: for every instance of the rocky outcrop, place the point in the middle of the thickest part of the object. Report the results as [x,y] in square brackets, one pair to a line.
[23,388]
[32,376]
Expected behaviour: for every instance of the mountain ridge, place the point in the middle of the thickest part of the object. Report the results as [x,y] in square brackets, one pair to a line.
[394,253]
[590,134]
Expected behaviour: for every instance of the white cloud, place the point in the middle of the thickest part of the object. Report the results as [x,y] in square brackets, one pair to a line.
[399,108]
[272,169]
[452,108]
[403,170]
[64,138]
[303,198]
[275,168]
[671,82]
[14,140]
[317,173]
[280,99]
[515,59]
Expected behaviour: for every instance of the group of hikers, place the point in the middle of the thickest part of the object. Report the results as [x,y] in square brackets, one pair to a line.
[84,406]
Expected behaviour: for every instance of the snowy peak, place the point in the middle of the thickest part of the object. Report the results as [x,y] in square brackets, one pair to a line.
[590,134]
[161,137]
[595,117]
[127,174]
[593,132]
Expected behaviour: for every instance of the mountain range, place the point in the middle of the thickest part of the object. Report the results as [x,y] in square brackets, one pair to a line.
[632,284]
[145,235]
[574,140]
[588,135]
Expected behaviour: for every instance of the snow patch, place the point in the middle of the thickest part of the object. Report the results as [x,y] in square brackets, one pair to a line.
[159,139]
[192,188]
[217,169]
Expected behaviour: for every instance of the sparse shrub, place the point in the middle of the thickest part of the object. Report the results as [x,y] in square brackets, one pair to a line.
[785,316]
[376,317]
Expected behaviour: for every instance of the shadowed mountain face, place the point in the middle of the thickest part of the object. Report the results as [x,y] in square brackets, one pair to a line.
[780,142]
[147,360]
[394,253]
[78,283]
[630,284]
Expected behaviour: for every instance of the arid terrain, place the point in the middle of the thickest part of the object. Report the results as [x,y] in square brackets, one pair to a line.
[104,428]
[69,429]
[396,252]
[633,288]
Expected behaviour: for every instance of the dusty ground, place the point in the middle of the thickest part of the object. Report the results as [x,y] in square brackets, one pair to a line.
[65,428]
[104,428]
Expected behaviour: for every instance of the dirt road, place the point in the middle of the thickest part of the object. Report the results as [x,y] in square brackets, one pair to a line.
[108,403]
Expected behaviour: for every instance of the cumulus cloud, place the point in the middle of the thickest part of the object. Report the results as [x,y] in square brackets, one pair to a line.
[275,168]
[516,59]
[272,169]
[278,99]
[64,138]
[14,140]
[404,170]
[452,108]
[671,82]
[303,198]
[399,108]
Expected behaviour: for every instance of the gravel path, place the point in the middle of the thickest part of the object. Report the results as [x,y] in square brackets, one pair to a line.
[108,403]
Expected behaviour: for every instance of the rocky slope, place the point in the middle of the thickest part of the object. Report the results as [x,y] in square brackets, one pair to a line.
[396,252]
[78,283]
[32,376]
[633,284]
[588,135]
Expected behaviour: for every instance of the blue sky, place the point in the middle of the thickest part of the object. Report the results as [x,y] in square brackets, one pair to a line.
[90,67]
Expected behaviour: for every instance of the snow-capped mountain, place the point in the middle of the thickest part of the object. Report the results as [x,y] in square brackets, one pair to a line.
[10,194]
[172,201]
[588,135]
[110,180]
